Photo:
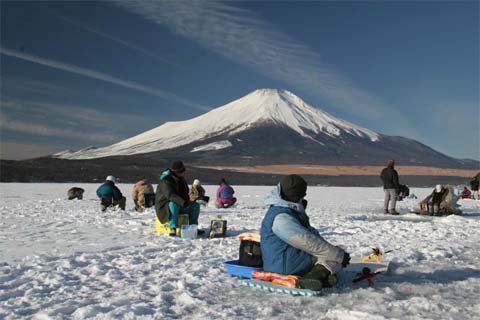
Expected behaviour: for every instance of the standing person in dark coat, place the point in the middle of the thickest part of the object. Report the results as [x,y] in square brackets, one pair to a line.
[172,198]
[474,185]
[391,186]
[110,195]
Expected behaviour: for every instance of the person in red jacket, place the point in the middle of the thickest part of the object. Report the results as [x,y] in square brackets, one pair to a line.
[225,196]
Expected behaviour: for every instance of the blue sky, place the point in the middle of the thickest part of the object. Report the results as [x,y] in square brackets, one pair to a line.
[78,74]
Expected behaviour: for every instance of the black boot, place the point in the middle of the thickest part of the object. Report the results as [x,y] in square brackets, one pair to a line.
[311,284]
[317,278]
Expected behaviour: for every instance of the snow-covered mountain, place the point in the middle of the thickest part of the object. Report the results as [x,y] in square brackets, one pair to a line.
[269,126]
[279,107]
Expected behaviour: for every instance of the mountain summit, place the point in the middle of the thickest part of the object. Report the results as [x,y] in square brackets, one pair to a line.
[260,107]
[269,126]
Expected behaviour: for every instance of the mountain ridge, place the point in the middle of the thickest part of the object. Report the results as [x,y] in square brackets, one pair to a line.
[268,127]
[277,106]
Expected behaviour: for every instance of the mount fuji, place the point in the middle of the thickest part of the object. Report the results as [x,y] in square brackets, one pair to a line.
[269,126]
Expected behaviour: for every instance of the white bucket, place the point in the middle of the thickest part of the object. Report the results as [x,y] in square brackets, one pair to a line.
[189,231]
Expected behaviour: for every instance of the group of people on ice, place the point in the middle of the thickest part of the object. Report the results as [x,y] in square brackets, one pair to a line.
[172,198]
[474,186]
[442,200]
[289,244]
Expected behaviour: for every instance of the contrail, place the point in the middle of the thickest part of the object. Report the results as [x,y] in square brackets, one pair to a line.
[120,41]
[101,76]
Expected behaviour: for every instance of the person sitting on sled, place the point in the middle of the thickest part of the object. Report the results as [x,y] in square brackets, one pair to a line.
[110,195]
[291,246]
[172,198]
[225,196]
[197,192]
[143,195]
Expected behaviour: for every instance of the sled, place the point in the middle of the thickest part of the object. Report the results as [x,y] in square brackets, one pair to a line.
[353,274]
[165,227]
[276,288]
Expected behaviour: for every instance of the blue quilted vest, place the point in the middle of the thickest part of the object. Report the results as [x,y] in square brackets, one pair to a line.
[278,256]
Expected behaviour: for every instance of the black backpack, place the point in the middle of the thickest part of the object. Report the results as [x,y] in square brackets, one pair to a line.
[250,254]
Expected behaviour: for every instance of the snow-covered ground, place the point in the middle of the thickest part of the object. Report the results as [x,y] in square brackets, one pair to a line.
[63,259]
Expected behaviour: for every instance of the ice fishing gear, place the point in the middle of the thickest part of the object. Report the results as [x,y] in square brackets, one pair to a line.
[250,251]
[377,253]
[218,228]
[366,274]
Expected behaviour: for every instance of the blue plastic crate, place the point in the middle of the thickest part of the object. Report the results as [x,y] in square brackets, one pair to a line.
[236,270]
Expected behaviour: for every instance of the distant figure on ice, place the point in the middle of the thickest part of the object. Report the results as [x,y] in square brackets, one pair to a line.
[110,195]
[391,186]
[172,198]
[442,201]
[474,184]
[433,205]
[143,195]
[75,193]
[225,196]
[465,194]
[291,246]
[197,192]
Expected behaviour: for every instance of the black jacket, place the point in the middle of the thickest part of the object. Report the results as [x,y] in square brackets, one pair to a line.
[474,184]
[438,196]
[389,178]
[170,188]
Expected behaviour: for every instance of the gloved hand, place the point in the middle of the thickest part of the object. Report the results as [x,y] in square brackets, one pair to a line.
[346,259]
[304,203]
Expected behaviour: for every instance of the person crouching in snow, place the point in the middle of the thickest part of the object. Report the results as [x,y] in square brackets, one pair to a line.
[436,199]
[75,193]
[143,195]
[225,196]
[465,194]
[172,198]
[291,246]
[197,192]
[110,195]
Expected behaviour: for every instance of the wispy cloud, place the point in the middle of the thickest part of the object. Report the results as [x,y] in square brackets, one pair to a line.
[101,76]
[71,115]
[76,122]
[245,38]
[47,130]
[117,40]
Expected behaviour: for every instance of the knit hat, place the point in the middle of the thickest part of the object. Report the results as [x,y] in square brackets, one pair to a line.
[293,188]
[196,182]
[111,178]
[178,167]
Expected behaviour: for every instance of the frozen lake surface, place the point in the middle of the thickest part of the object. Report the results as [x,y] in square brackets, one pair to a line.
[63,259]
